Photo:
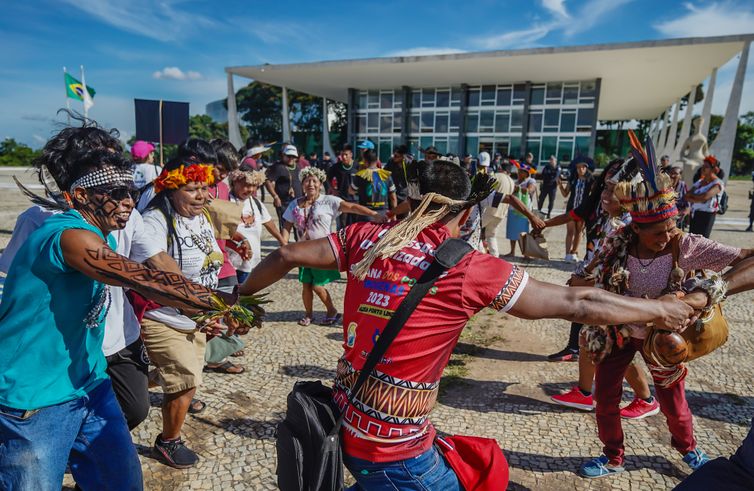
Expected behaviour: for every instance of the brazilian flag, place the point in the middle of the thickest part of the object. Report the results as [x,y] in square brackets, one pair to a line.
[75,89]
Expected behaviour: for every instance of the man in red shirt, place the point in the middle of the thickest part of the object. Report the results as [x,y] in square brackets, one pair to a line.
[387,437]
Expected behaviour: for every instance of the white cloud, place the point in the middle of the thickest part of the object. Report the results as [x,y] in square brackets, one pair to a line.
[175,73]
[591,14]
[714,19]
[514,39]
[157,20]
[557,7]
[422,51]
[39,139]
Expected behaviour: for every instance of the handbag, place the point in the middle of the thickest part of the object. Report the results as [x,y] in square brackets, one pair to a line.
[533,245]
[695,341]
[308,439]
[478,462]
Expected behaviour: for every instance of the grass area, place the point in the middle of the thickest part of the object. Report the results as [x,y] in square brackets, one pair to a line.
[476,336]
[740,178]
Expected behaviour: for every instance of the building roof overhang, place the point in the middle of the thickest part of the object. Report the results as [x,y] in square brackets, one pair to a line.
[639,80]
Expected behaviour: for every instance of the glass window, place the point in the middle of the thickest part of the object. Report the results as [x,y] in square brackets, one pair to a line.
[455,96]
[416,99]
[588,89]
[472,145]
[582,145]
[474,95]
[565,149]
[486,121]
[443,98]
[386,100]
[455,120]
[362,100]
[488,95]
[453,145]
[385,149]
[425,141]
[428,121]
[361,123]
[519,93]
[398,99]
[502,122]
[442,145]
[533,147]
[428,97]
[515,147]
[472,122]
[397,122]
[554,92]
[585,119]
[568,122]
[373,122]
[441,122]
[504,95]
[570,94]
[373,99]
[549,147]
[552,118]
[537,95]
[386,123]
[535,122]
[517,116]
[413,146]
[414,128]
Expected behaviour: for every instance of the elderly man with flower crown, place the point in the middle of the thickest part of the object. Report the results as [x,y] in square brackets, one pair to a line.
[386,441]
[646,259]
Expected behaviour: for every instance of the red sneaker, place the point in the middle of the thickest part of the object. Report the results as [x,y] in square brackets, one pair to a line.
[576,399]
[640,409]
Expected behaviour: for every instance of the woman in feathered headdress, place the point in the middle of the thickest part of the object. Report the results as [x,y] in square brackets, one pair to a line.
[638,261]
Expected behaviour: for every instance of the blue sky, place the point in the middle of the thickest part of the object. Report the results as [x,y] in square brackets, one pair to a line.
[177,49]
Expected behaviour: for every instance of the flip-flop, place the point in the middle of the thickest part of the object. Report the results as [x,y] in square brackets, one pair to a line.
[196,406]
[225,368]
[331,321]
[238,353]
[305,321]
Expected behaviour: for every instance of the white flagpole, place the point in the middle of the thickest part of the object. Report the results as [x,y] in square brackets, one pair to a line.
[67,99]
[83,96]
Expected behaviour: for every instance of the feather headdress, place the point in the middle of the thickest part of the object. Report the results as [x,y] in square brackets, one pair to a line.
[56,199]
[652,198]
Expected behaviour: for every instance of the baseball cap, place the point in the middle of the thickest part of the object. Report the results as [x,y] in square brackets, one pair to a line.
[484,159]
[141,149]
[365,145]
[290,150]
[431,149]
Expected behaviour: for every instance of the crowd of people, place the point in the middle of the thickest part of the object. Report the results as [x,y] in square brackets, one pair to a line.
[112,276]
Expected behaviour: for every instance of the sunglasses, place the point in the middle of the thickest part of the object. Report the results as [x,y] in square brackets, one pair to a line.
[118,193]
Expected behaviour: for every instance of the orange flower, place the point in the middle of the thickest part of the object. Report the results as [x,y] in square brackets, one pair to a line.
[181,176]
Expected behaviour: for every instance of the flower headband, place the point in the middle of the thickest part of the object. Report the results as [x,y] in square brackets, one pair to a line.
[312,171]
[182,175]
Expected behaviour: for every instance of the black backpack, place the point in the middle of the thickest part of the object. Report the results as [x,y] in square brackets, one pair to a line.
[722,203]
[308,439]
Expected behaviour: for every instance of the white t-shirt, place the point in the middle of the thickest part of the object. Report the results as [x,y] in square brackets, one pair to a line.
[196,252]
[145,173]
[712,204]
[314,222]
[146,197]
[121,326]
[252,219]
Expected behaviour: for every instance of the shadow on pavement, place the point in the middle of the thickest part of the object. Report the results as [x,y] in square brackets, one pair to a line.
[308,371]
[490,396]
[724,407]
[496,354]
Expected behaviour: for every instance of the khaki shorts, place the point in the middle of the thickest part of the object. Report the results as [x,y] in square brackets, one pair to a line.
[178,355]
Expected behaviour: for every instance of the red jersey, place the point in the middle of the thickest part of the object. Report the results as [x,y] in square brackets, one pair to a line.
[389,421]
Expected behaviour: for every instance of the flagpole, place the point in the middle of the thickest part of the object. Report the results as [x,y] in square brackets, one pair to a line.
[67,99]
[83,83]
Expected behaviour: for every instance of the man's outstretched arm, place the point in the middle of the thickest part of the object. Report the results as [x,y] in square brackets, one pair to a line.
[594,306]
[308,253]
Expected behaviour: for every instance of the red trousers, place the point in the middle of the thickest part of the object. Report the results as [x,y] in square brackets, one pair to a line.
[608,391]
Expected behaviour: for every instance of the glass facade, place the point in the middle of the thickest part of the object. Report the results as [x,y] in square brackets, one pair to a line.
[557,121]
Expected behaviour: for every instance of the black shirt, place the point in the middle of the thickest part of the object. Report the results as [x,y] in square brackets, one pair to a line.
[549,176]
[285,180]
[339,181]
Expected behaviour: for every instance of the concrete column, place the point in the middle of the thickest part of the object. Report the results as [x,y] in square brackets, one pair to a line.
[686,129]
[351,116]
[671,141]
[462,111]
[405,114]
[326,146]
[663,132]
[286,117]
[654,129]
[234,134]
[707,109]
[722,147]
[525,121]
[593,137]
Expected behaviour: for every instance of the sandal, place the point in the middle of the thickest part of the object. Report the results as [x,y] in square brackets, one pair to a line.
[226,367]
[305,321]
[238,353]
[331,321]
[196,406]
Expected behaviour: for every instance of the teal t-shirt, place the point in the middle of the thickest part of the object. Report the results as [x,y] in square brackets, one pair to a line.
[49,355]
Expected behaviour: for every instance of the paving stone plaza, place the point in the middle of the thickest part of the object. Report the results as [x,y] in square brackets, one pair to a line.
[499,386]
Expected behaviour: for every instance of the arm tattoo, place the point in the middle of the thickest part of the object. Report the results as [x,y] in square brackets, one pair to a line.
[162,286]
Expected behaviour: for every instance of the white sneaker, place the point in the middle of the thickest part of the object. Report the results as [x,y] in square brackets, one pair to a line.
[568,258]
[574,258]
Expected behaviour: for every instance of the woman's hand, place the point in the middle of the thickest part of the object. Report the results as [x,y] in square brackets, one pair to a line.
[215,328]
[675,314]
[379,218]
[537,223]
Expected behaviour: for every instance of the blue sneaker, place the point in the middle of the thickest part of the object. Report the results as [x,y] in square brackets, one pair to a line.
[695,459]
[598,468]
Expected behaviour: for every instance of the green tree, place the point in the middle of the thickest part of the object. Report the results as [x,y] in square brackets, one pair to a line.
[743,148]
[14,154]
